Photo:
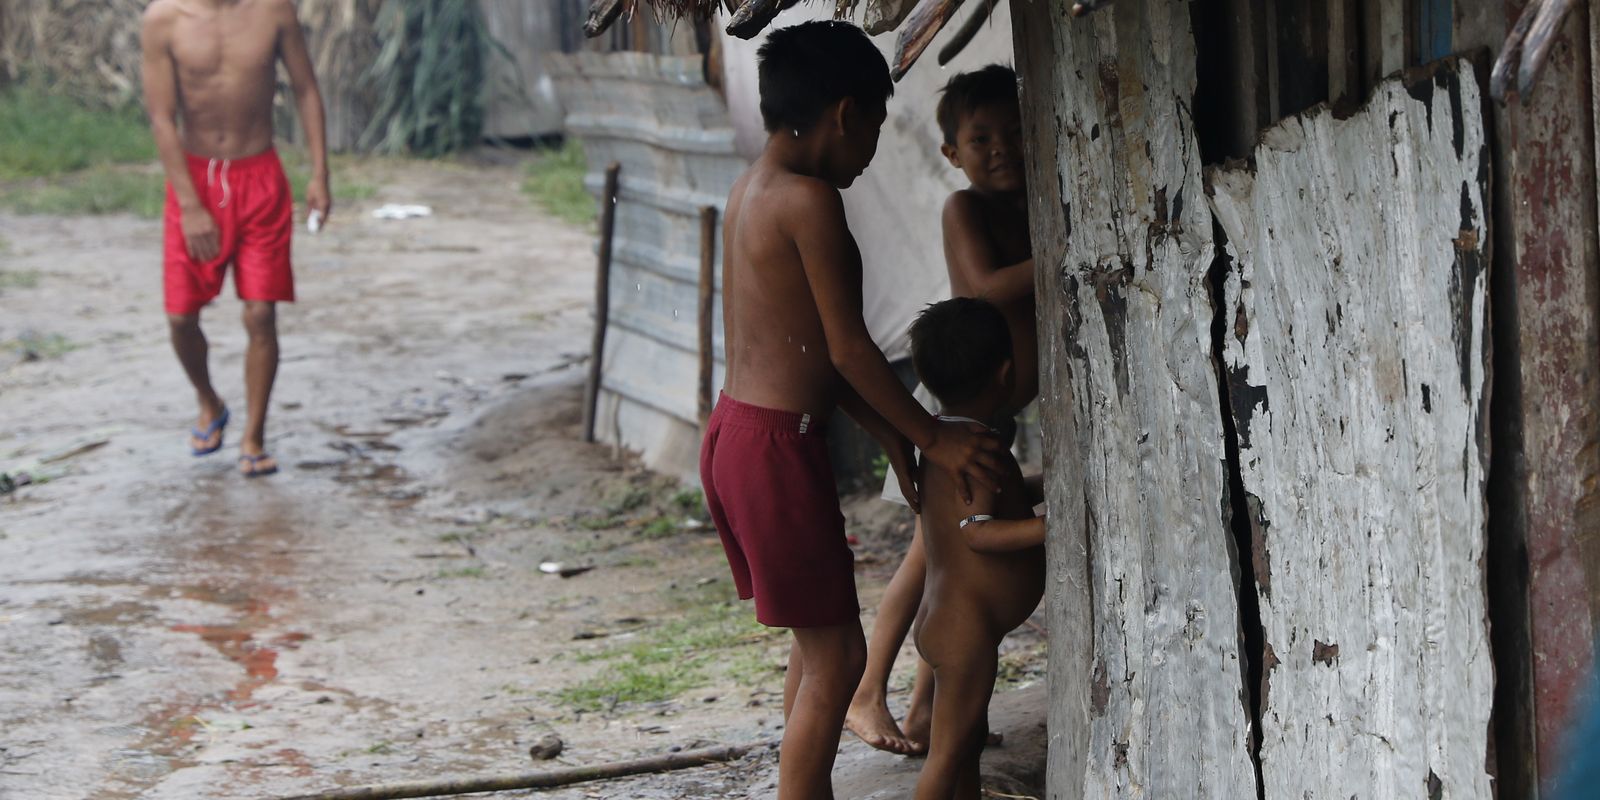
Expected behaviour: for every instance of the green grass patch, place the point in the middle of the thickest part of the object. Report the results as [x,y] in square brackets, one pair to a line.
[600,522]
[677,656]
[554,180]
[18,278]
[346,176]
[880,468]
[661,528]
[463,572]
[94,191]
[35,346]
[45,134]
[690,501]
[633,683]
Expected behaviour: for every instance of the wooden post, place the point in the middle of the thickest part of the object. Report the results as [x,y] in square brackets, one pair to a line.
[708,259]
[602,298]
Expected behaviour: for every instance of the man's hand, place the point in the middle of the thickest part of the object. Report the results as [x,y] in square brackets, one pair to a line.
[968,450]
[199,233]
[903,460]
[318,198]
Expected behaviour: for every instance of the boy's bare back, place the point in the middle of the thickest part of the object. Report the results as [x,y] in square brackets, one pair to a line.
[776,347]
[217,61]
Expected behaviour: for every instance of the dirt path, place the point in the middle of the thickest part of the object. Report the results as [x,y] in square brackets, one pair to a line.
[376,611]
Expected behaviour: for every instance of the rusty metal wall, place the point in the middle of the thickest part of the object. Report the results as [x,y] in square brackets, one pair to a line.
[1551,159]
[656,117]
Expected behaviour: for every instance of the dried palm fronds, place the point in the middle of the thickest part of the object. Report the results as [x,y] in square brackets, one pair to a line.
[87,47]
[749,17]
[343,39]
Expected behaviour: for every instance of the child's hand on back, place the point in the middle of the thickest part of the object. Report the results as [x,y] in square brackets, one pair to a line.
[968,450]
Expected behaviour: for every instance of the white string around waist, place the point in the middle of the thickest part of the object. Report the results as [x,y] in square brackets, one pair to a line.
[211,175]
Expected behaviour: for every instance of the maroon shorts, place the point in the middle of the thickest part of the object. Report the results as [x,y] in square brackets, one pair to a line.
[769,487]
[249,200]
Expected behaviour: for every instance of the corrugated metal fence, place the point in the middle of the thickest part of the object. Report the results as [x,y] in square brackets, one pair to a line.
[671,133]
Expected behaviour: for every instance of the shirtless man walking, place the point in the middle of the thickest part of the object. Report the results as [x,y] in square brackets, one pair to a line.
[213,65]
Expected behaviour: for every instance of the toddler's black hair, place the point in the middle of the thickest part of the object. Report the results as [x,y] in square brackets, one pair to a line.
[956,345]
[803,69]
[970,91]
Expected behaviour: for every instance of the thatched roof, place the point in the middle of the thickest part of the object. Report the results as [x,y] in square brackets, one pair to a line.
[1521,59]
[918,22]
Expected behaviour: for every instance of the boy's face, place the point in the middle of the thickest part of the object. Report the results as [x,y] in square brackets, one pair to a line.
[988,148]
[858,128]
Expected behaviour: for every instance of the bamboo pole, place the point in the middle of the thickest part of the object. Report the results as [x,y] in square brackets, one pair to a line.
[602,298]
[708,258]
[542,779]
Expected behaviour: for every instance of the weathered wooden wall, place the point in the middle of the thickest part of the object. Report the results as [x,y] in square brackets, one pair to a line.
[521,97]
[671,133]
[1146,679]
[1354,335]
[1357,355]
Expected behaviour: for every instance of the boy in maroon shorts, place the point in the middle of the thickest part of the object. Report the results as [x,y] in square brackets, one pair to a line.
[212,64]
[797,349]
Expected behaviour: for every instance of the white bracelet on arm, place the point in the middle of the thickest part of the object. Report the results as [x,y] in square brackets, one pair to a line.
[976,518]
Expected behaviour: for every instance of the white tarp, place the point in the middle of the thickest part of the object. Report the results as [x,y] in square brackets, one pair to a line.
[894,208]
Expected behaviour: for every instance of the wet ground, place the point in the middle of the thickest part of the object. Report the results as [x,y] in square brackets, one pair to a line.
[376,611]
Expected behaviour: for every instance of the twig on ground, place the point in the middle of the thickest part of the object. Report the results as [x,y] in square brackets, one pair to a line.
[543,779]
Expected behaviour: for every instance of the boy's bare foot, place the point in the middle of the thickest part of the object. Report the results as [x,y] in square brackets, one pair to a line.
[872,723]
[919,722]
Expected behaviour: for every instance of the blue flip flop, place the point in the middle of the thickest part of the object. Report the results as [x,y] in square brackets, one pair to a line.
[250,466]
[214,429]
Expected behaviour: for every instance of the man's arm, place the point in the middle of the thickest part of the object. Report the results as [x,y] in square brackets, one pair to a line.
[832,265]
[308,99]
[969,254]
[160,78]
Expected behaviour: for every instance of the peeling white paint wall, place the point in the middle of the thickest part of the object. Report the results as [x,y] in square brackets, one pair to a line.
[1146,680]
[1357,352]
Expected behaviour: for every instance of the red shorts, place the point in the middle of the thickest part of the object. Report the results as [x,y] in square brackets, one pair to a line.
[250,201]
[769,486]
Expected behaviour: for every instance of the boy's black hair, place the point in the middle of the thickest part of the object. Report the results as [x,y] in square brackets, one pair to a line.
[804,69]
[970,91]
[956,346]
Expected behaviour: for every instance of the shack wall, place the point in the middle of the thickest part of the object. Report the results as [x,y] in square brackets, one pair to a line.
[656,117]
[520,100]
[1146,677]
[1126,309]
[1550,152]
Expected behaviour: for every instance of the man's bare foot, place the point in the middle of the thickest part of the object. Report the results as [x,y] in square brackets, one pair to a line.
[872,723]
